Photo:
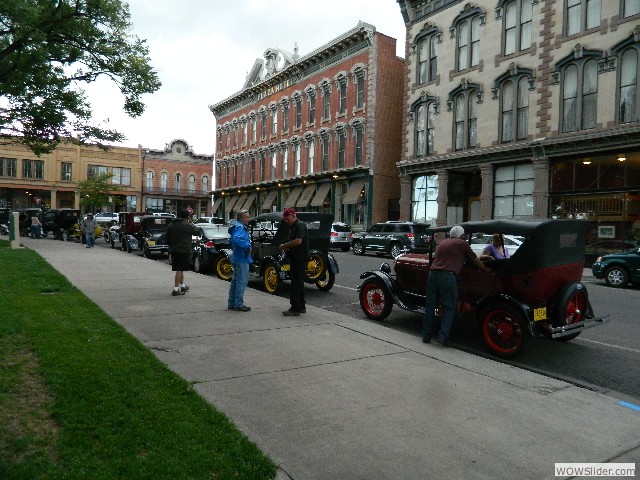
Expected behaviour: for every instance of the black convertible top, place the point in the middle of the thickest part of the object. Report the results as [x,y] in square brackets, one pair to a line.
[318,228]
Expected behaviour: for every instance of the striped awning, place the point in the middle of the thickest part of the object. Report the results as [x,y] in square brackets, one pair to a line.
[216,205]
[231,201]
[321,194]
[271,196]
[247,204]
[353,193]
[305,198]
[293,197]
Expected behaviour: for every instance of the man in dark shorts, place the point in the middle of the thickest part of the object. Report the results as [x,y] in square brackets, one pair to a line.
[298,247]
[179,239]
[442,284]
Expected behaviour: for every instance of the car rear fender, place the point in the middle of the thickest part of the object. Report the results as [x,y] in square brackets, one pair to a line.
[523,308]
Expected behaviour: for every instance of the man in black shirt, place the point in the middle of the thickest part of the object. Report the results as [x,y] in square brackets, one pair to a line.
[179,239]
[298,247]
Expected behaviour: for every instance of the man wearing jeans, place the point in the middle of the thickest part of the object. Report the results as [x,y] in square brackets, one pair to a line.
[88,229]
[241,258]
[442,284]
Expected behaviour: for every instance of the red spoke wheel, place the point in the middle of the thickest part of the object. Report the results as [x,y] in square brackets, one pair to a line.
[375,299]
[503,330]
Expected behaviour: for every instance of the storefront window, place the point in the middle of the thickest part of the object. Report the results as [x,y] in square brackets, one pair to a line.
[424,196]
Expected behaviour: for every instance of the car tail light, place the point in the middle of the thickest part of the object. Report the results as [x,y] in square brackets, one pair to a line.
[410,235]
[334,234]
[209,244]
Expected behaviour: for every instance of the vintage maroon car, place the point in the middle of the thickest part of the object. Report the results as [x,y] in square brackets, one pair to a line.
[537,291]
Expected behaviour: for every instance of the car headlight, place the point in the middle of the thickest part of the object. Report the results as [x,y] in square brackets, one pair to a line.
[598,260]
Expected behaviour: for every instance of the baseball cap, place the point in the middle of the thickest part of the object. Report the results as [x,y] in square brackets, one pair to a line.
[288,212]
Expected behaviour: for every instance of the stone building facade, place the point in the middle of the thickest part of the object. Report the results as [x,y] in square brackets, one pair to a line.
[321,132]
[522,109]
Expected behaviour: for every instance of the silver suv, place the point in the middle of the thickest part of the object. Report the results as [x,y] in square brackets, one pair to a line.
[392,238]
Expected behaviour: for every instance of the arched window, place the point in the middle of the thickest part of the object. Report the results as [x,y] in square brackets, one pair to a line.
[192,183]
[513,87]
[149,179]
[426,47]
[164,177]
[579,91]
[178,181]
[466,29]
[464,102]
[205,184]
[517,19]
[627,52]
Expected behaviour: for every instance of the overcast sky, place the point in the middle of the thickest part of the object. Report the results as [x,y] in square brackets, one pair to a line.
[203,50]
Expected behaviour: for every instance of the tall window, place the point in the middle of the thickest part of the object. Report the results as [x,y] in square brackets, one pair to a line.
[514,104]
[253,167]
[628,90]
[342,89]
[121,176]
[8,167]
[227,131]
[164,177]
[66,171]
[274,120]
[227,173]
[360,89]
[468,36]
[285,161]
[285,116]
[311,153]
[178,182]
[341,148]
[359,138]
[630,7]
[296,151]
[424,115]
[582,15]
[245,132]
[427,58]
[254,128]
[424,199]
[325,152]
[263,119]
[192,183]
[205,184]
[579,92]
[326,101]
[95,170]
[518,15]
[235,134]
[311,98]
[298,108]
[513,191]
[274,163]
[464,100]
[263,164]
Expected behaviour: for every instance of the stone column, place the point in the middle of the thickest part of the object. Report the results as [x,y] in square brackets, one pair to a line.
[405,197]
[443,196]
[486,196]
[54,197]
[540,187]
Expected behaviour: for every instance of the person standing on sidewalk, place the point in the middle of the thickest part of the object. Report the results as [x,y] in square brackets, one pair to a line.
[180,238]
[298,247]
[88,229]
[241,258]
[36,227]
[442,284]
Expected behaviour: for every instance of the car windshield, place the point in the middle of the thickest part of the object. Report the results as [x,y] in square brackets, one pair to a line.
[213,231]
[341,228]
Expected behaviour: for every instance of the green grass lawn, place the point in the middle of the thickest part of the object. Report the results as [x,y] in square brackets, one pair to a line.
[80,398]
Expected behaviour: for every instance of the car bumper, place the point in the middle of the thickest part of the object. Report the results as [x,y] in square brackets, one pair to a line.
[558,332]
[340,243]
[597,269]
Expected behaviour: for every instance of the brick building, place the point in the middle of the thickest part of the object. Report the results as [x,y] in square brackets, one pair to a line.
[321,132]
[522,109]
[176,178]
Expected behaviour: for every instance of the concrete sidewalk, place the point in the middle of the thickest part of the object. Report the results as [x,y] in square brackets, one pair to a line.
[327,396]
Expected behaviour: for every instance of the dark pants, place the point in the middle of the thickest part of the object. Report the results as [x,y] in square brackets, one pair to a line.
[442,288]
[297,284]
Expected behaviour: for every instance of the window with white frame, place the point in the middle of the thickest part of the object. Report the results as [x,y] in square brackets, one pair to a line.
[32,168]
[311,100]
[235,133]
[263,164]
[311,152]
[245,132]
[341,82]
[424,112]
[578,78]
[517,19]
[274,120]
[285,160]
[427,49]
[254,128]
[325,151]
[513,87]
[297,104]
[627,52]
[296,160]
[227,172]
[424,199]
[263,120]
[252,156]
[121,176]
[178,181]
[205,184]
[285,115]
[359,78]
[358,133]
[581,15]
[227,131]
[630,8]
[341,147]
[464,100]
[65,172]
[93,171]
[164,178]
[274,163]
[466,29]
[513,191]
[192,183]
[325,91]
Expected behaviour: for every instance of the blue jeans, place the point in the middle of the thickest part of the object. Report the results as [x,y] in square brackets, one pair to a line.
[238,285]
[442,288]
[89,238]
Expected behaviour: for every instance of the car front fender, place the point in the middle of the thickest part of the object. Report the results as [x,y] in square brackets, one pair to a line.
[333,263]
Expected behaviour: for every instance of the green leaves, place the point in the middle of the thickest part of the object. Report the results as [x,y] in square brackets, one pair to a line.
[95,191]
[48,49]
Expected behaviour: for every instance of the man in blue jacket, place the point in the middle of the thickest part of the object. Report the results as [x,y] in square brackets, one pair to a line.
[241,258]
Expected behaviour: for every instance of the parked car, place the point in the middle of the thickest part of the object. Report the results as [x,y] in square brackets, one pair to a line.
[536,291]
[391,238]
[271,266]
[605,247]
[106,219]
[480,241]
[618,269]
[152,239]
[24,219]
[211,220]
[61,222]
[340,236]
[208,247]
[129,227]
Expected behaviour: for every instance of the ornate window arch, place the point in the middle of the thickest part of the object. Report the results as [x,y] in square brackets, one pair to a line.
[512,89]
[423,112]
[627,54]
[425,46]
[341,81]
[463,100]
[517,18]
[311,94]
[325,93]
[297,104]
[466,30]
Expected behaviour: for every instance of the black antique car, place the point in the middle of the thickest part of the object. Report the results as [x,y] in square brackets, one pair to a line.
[61,222]
[208,247]
[537,291]
[271,266]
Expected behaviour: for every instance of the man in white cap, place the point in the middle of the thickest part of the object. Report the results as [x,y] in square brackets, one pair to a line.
[442,285]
